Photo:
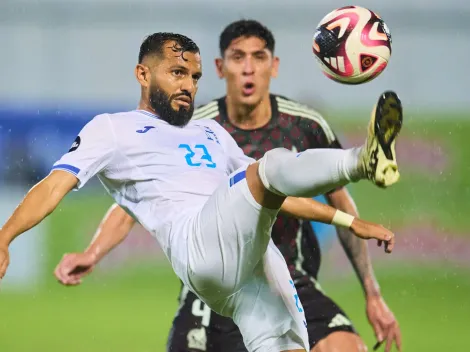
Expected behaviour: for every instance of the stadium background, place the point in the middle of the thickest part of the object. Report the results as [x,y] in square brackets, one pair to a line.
[62,62]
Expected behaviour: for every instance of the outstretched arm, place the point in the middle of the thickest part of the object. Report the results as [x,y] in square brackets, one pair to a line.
[92,151]
[312,210]
[38,203]
[113,229]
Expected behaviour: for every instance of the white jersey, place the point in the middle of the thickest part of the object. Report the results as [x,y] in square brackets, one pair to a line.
[181,185]
[158,172]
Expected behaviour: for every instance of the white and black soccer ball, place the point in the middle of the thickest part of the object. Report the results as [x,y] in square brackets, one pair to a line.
[352,44]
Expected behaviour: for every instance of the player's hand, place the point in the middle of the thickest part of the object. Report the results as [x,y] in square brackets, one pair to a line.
[383,321]
[367,230]
[4,261]
[73,267]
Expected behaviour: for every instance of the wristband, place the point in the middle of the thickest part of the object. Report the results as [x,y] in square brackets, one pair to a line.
[342,219]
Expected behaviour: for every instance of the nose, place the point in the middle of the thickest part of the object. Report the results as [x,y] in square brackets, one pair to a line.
[248,67]
[187,85]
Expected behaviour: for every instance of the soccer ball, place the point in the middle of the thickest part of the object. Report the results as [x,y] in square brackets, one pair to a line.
[352,45]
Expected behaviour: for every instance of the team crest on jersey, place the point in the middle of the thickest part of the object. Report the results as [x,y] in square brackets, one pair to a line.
[75,145]
[210,134]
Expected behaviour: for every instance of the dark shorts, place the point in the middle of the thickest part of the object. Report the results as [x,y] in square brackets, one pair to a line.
[196,328]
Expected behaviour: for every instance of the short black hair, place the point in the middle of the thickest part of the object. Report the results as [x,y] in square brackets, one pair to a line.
[153,44]
[245,28]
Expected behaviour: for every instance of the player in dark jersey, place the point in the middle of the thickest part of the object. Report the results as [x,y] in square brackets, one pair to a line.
[260,121]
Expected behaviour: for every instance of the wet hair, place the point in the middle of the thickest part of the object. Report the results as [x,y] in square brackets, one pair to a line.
[245,28]
[153,44]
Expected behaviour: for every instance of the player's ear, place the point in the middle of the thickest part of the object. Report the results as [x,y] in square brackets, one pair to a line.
[275,67]
[219,66]
[142,74]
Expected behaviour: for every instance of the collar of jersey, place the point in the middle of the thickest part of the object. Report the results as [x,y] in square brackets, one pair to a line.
[148,114]
[272,122]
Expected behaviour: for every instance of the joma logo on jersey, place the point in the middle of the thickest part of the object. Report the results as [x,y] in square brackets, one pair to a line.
[145,129]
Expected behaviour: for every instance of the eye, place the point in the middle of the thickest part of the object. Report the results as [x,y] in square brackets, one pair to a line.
[178,73]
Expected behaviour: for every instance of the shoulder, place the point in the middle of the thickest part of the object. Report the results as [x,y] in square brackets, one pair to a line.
[96,124]
[129,116]
[294,108]
[305,113]
[207,111]
[110,119]
[108,126]
[132,121]
[101,118]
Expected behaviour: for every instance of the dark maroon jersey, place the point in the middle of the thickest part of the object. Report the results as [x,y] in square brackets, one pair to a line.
[296,127]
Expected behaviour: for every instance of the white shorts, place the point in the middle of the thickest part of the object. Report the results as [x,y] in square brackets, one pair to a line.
[235,268]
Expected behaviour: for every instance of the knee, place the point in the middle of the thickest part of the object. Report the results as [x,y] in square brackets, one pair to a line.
[274,158]
[272,168]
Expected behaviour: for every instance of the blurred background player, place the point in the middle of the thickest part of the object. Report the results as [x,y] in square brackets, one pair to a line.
[260,121]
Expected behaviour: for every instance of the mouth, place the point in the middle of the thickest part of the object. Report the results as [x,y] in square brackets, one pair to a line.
[248,89]
[183,101]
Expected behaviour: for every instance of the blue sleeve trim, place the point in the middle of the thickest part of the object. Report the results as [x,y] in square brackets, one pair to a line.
[237,178]
[74,170]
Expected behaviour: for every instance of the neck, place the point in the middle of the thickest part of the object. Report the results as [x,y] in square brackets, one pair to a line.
[248,117]
[144,105]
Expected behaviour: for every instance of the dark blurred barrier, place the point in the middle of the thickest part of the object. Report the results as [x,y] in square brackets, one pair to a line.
[32,140]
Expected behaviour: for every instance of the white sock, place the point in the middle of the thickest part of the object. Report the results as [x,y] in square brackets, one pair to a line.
[310,173]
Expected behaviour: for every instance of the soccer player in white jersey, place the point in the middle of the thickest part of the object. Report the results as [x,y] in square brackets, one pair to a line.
[210,207]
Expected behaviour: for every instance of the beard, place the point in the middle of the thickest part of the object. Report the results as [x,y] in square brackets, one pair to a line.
[161,104]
